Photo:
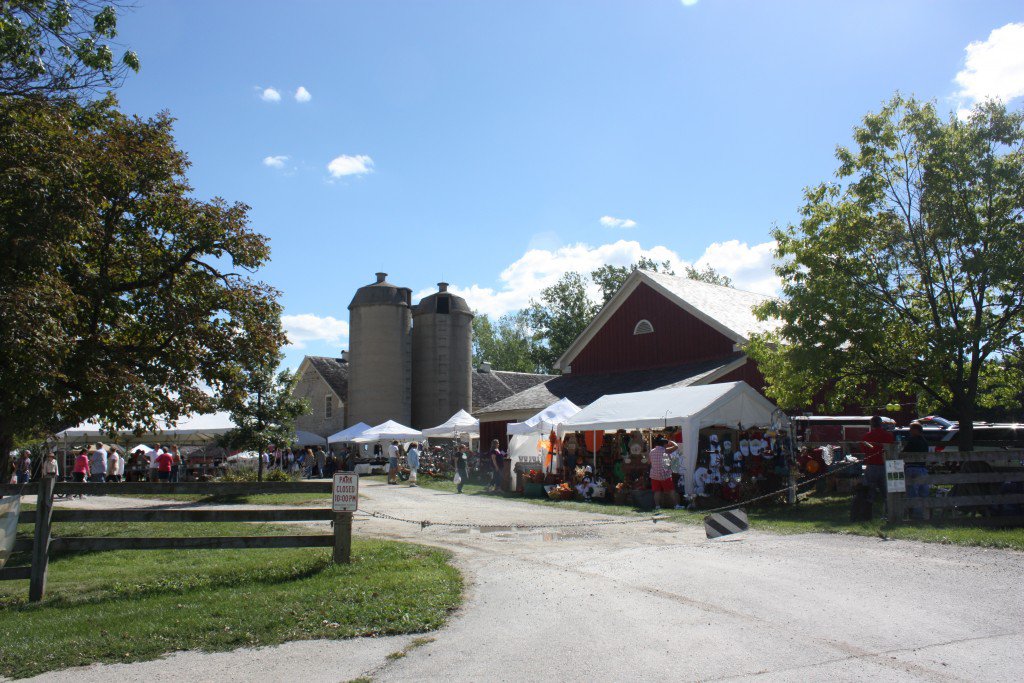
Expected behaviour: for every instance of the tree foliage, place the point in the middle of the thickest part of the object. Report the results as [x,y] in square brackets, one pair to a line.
[609,279]
[60,48]
[123,296]
[507,343]
[709,275]
[907,275]
[563,312]
[264,411]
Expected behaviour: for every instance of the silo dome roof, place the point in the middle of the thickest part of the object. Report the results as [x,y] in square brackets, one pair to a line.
[429,304]
[381,293]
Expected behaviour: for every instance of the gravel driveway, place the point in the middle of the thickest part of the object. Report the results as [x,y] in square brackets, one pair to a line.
[657,602]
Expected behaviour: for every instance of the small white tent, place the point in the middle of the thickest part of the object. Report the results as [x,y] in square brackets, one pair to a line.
[690,408]
[349,433]
[386,431]
[458,424]
[304,438]
[546,420]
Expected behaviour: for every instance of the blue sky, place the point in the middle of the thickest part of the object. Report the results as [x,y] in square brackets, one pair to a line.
[497,144]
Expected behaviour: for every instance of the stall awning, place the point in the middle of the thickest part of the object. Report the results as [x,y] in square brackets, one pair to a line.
[458,424]
[192,430]
[730,403]
[304,438]
[387,431]
[349,433]
[547,419]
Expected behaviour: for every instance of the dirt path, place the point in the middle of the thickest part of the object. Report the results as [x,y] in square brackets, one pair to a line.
[657,601]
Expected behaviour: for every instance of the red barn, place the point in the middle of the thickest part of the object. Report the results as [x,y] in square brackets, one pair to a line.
[657,331]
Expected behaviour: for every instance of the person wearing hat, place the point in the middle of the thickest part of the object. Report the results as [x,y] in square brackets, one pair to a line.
[661,469]
[50,468]
[23,468]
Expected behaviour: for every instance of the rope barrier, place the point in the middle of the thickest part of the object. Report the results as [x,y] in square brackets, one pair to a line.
[424,523]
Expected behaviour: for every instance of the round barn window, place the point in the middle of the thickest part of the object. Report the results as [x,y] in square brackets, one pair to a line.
[643,327]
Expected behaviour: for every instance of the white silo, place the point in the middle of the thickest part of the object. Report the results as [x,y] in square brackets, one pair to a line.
[380,354]
[442,358]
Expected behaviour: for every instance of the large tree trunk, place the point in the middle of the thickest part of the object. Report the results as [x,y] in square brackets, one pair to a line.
[6,444]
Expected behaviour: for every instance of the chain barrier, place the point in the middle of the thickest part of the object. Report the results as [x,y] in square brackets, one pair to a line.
[424,523]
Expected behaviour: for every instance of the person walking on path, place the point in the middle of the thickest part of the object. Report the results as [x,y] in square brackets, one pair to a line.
[412,459]
[393,463]
[461,467]
[98,464]
[164,462]
[23,468]
[321,462]
[81,471]
[152,456]
[50,468]
[113,465]
[175,464]
[875,441]
[497,459]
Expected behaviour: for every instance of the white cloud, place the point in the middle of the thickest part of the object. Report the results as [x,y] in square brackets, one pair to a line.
[688,3]
[270,95]
[309,327]
[993,68]
[612,222]
[750,267]
[302,95]
[275,161]
[350,165]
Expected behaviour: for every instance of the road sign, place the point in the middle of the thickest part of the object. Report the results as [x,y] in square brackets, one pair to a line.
[346,492]
[726,523]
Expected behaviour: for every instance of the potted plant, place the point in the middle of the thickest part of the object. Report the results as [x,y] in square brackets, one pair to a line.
[533,486]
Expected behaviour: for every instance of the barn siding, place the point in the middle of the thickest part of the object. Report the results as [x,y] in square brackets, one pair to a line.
[678,337]
[748,372]
[494,430]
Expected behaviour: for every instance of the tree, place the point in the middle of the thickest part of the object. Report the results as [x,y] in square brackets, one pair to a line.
[264,411]
[563,312]
[122,296]
[507,343]
[709,275]
[907,275]
[610,279]
[60,48]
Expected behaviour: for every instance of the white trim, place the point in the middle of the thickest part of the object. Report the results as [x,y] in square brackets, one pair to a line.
[714,375]
[647,330]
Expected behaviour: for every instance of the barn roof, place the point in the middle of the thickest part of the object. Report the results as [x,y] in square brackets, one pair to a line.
[584,389]
[726,309]
[335,373]
[491,386]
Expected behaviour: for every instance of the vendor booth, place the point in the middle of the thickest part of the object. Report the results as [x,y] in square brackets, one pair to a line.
[388,431]
[348,434]
[709,419]
[461,424]
[529,445]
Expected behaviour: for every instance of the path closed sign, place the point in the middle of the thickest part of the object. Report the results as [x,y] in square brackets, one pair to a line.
[346,492]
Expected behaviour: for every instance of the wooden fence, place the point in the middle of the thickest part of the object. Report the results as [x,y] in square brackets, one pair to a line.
[962,485]
[43,542]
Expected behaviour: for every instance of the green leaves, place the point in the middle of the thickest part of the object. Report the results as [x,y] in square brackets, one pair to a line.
[905,275]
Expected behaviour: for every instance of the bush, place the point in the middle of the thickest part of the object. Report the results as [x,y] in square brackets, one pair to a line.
[250,474]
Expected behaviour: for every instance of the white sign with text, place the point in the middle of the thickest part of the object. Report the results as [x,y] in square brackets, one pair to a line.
[346,492]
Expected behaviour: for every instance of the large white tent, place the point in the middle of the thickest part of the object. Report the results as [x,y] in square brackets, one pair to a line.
[459,424]
[304,438]
[546,420]
[690,408]
[349,433]
[386,431]
[192,430]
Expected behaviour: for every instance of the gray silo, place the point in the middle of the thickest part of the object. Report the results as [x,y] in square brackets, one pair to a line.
[380,354]
[442,358]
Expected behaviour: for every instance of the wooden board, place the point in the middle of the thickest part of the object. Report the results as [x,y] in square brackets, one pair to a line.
[199,515]
[241,488]
[96,543]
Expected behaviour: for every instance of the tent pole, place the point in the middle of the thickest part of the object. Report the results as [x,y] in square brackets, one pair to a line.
[594,434]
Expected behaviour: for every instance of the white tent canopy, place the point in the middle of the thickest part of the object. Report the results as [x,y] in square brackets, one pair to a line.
[458,424]
[691,408]
[304,438]
[547,419]
[194,429]
[349,433]
[386,431]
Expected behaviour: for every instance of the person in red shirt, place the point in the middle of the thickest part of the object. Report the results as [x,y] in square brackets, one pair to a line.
[81,471]
[874,443]
[164,462]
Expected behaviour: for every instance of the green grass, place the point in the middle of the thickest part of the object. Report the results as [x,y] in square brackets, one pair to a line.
[826,514]
[124,606]
[251,499]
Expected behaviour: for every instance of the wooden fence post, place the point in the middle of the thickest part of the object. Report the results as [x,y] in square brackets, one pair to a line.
[41,546]
[342,537]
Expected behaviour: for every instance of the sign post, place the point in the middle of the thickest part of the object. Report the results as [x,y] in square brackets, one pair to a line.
[345,501]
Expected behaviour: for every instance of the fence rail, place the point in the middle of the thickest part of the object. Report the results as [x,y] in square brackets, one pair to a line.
[972,492]
[45,515]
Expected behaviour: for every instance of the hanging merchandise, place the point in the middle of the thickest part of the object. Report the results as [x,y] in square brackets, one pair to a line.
[637,446]
[570,445]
